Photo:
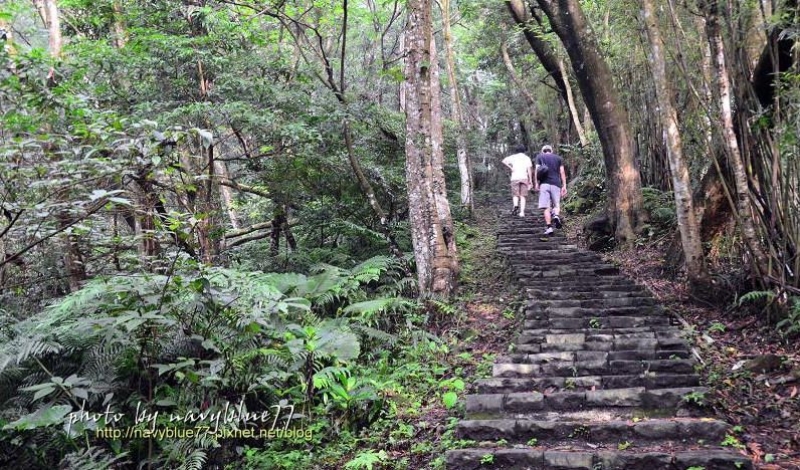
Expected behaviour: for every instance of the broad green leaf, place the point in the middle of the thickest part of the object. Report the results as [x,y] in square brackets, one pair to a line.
[450,399]
[41,418]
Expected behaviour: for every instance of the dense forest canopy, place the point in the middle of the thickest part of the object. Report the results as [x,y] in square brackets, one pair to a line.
[205,201]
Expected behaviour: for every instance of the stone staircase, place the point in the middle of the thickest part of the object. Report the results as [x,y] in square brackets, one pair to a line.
[599,378]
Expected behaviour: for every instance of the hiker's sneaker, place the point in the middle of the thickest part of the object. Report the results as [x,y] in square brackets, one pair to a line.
[521,214]
[515,210]
[557,222]
[549,231]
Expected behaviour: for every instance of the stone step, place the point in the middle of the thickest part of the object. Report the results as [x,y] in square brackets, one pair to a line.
[566,271]
[498,405]
[561,302]
[587,293]
[593,367]
[599,322]
[580,342]
[600,428]
[590,355]
[585,289]
[571,282]
[600,309]
[592,334]
[647,381]
[709,458]
[536,263]
[659,336]
[554,259]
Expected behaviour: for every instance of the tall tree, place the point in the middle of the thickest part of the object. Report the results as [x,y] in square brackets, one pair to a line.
[464,165]
[436,264]
[609,116]
[681,184]
[541,48]
[744,209]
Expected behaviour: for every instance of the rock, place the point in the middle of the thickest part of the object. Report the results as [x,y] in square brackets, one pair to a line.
[764,363]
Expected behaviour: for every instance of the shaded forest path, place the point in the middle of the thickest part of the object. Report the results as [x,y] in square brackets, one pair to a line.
[599,378]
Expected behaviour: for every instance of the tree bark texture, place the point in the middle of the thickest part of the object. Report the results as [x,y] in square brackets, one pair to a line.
[54,28]
[435,264]
[687,219]
[610,118]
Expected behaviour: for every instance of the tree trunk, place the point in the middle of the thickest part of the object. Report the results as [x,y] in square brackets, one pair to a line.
[221,170]
[73,259]
[120,35]
[437,160]
[573,111]
[687,218]
[610,118]
[541,48]
[145,223]
[56,42]
[744,214]
[512,72]
[435,273]
[776,58]
[464,164]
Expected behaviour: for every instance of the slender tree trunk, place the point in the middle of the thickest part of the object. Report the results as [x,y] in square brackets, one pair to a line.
[120,34]
[464,164]
[278,220]
[744,209]
[437,159]
[435,263]
[687,219]
[56,42]
[221,170]
[573,111]
[541,48]
[512,72]
[610,118]
[145,223]
[73,258]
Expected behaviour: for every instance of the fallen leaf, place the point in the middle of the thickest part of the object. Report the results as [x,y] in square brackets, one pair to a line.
[755,449]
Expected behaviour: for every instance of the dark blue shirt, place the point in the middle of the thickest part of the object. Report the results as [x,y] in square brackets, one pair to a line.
[554,163]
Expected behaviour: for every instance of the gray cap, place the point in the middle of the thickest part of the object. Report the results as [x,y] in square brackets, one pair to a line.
[547,148]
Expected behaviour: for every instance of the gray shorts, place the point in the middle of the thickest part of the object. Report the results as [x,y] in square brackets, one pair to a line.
[549,196]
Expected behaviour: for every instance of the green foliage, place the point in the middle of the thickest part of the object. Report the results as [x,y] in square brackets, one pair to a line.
[732,441]
[790,326]
[366,460]
[660,206]
[201,333]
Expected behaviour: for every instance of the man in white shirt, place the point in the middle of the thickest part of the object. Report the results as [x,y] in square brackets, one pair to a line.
[521,177]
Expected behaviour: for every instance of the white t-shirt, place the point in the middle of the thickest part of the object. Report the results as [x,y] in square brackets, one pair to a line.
[519,166]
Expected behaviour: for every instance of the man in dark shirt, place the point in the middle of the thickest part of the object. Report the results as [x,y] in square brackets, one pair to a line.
[552,188]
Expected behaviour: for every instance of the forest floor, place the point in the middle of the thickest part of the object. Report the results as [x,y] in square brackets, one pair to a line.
[752,372]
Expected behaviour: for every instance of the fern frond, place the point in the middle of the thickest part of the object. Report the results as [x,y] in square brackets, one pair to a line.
[382,337]
[93,458]
[329,375]
[756,295]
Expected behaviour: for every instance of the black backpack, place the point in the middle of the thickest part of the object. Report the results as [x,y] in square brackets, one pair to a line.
[541,171]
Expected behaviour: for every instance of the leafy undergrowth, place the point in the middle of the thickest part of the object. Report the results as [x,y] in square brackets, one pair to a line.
[753,373]
[471,331]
